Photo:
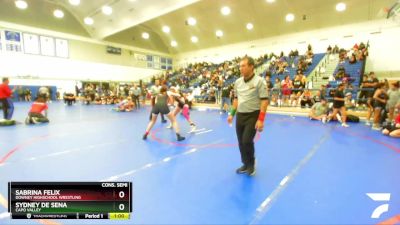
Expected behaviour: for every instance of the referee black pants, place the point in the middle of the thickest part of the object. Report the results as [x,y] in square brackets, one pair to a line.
[5,106]
[245,131]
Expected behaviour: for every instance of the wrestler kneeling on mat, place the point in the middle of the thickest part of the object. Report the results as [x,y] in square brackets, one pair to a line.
[35,114]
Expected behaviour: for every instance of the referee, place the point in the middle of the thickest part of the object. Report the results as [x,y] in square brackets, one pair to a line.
[250,103]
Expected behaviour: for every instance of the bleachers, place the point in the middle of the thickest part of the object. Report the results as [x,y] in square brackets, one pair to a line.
[292,71]
[354,71]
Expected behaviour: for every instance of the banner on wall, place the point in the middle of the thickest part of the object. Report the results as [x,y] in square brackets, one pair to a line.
[13,41]
[31,44]
[62,49]
[47,46]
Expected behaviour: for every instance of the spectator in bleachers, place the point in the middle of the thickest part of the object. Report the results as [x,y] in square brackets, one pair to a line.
[394,98]
[329,50]
[335,50]
[353,59]
[319,111]
[341,73]
[338,106]
[331,78]
[306,99]
[286,86]
[302,64]
[342,55]
[276,92]
[268,82]
[348,87]
[380,100]
[299,83]
[309,55]
[363,51]
[281,66]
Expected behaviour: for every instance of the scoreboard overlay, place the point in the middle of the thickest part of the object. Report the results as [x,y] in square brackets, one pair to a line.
[70,200]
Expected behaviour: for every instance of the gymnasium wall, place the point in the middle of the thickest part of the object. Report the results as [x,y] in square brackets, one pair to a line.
[88,60]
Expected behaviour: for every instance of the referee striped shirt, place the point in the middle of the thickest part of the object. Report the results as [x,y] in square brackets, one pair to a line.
[249,93]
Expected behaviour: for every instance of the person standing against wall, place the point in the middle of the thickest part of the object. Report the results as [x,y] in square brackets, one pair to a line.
[250,103]
[5,99]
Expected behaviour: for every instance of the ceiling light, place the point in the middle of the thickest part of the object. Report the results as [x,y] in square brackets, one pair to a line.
[107,10]
[58,13]
[21,4]
[88,21]
[270,1]
[194,39]
[340,7]
[145,35]
[74,2]
[174,43]
[249,26]
[289,17]
[191,21]
[225,10]
[166,29]
[219,33]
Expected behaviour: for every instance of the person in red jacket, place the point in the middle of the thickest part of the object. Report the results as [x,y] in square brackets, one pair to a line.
[35,114]
[5,99]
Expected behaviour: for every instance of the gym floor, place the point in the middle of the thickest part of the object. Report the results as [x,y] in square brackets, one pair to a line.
[307,172]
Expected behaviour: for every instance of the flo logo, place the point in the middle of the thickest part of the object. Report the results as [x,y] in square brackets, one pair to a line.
[383,198]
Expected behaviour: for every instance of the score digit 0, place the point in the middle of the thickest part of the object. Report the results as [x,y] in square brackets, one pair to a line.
[121,194]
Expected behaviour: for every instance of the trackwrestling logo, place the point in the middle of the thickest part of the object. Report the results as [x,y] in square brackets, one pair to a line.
[379,197]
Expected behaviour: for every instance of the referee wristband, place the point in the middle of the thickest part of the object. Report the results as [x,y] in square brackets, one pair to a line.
[233,112]
[261,116]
